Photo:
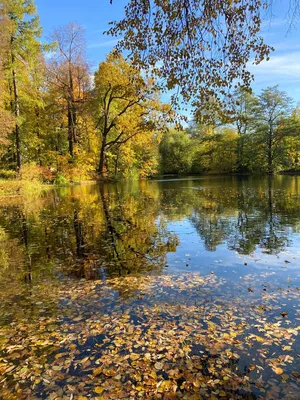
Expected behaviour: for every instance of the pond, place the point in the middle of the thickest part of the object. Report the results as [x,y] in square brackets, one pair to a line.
[171,289]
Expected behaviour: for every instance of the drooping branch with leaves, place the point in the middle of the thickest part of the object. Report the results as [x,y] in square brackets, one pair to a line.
[199,49]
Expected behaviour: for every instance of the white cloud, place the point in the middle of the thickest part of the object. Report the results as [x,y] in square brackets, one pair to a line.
[287,45]
[279,69]
[108,43]
[270,22]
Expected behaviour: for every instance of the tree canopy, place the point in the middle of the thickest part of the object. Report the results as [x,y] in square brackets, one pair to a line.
[198,49]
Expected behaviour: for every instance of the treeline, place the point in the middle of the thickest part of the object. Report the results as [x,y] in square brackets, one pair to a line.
[262,135]
[61,122]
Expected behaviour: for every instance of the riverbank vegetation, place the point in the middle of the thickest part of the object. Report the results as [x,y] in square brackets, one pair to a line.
[260,136]
[67,123]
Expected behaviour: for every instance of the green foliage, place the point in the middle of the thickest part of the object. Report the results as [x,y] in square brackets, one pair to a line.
[262,136]
[272,108]
[22,68]
[200,150]
[7,174]
[176,152]
[60,180]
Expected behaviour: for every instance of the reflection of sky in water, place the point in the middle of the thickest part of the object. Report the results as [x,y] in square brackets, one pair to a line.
[229,263]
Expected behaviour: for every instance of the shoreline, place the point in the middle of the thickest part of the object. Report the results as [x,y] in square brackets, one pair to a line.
[18,187]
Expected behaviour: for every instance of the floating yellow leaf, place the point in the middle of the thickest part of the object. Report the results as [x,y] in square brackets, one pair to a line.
[278,371]
[97,371]
[99,389]
[134,356]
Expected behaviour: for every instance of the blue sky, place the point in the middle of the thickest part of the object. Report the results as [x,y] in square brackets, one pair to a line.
[94,15]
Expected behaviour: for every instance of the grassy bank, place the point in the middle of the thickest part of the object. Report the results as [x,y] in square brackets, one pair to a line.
[33,179]
[15,187]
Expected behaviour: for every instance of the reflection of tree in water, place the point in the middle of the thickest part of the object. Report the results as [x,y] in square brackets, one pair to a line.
[241,213]
[275,238]
[133,242]
[103,231]
[257,224]
[211,229]
[109,230]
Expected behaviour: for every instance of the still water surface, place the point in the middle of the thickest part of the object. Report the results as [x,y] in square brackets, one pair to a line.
[180,288]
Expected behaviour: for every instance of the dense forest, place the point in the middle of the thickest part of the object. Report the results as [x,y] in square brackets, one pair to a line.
[60,121]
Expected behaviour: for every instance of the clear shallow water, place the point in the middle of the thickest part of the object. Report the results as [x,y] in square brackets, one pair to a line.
[159,289]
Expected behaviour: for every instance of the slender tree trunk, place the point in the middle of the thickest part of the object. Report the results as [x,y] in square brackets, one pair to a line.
[38,133]
[70,131]
[17,115]
[74,121]
[72,117]
[102,156]
[270,158]
[117,164]
[240,151]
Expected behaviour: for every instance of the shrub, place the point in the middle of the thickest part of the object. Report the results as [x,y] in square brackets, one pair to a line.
[7,174]
[47,174]
[31,172]
[60,180]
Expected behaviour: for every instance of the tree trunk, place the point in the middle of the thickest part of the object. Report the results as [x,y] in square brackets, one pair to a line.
[72,120]
[72,117]
[70,131]
[102,156]
[17,115]
[38,133]
[240,153]
[270,158]
[117,164]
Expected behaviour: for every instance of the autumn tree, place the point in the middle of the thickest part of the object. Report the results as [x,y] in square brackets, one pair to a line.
[176,151]
[6,117]
[35,128]
[24,49]
[126,106]
[273,106]
[68,75]
[243,119]
[291,142]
